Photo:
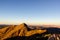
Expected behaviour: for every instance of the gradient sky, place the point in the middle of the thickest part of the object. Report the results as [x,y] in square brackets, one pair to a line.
[30,11]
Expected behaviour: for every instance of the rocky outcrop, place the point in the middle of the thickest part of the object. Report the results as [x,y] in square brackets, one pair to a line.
[20,30]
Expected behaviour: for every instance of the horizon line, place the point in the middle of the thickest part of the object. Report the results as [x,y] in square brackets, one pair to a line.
[29,23]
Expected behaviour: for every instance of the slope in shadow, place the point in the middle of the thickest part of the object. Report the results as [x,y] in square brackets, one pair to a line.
[53,30]
[33,37]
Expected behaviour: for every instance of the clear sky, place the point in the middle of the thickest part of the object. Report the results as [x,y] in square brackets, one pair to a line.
[30,11]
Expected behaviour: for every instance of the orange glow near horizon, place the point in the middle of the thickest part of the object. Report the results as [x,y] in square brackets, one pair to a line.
[32,23]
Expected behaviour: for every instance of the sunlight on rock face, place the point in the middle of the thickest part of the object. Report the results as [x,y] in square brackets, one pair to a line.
[20,30]
[32,32]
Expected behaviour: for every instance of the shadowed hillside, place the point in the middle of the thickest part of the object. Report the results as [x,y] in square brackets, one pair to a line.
[53,30]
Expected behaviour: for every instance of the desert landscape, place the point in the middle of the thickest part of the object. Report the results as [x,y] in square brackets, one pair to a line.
[28,32]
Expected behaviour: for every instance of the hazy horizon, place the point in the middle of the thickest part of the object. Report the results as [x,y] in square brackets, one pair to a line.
[30,12]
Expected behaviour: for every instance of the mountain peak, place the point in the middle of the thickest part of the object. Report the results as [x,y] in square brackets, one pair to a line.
[24,24]
[19,30]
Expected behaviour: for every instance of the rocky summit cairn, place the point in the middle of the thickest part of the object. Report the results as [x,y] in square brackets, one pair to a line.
[19,30]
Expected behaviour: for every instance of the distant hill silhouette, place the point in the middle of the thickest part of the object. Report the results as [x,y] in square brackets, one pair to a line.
[53,30]
[2,26]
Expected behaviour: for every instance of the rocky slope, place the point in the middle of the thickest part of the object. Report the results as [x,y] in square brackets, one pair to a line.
[19,30]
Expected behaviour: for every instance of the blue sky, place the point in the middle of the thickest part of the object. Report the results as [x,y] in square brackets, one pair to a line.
[30,11]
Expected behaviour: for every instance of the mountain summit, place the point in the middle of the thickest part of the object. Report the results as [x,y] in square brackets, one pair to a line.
[19,30]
